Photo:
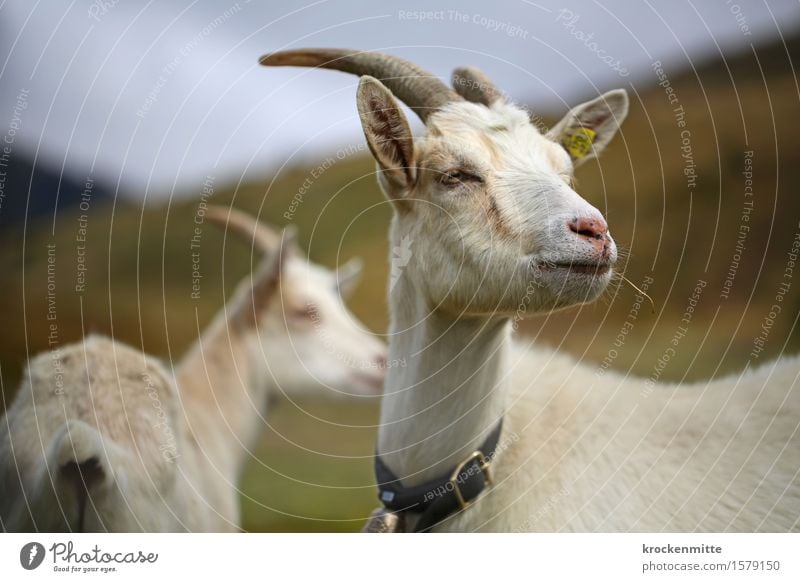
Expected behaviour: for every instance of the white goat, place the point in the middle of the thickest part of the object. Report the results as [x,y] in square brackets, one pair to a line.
[485,202]
[101,438]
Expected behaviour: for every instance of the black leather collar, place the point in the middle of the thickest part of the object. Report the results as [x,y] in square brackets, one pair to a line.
[439,498]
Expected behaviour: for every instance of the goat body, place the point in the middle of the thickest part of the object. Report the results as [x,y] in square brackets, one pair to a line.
[587,452]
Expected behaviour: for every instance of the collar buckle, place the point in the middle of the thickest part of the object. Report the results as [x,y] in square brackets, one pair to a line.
[483,465]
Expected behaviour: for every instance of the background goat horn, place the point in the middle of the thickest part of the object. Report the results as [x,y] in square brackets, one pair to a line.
[414,86]
[245,227]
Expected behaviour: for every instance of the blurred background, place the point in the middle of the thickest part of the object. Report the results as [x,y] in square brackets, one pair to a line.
[124,112]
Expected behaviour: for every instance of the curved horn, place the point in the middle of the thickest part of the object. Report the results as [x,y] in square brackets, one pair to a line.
[245,227]
[473,85]
[414,86]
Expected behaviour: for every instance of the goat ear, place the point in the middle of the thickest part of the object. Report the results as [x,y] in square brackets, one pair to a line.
[288,245]
[289,239]
[586,130]
[348,276]
[267,279]
[388,135]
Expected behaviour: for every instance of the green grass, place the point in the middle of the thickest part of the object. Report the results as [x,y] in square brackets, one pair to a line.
[312,475]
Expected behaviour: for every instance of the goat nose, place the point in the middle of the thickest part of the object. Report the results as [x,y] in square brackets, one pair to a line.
[592,228]
[380,362]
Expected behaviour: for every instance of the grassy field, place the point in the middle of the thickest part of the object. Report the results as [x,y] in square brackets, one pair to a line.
[314,463]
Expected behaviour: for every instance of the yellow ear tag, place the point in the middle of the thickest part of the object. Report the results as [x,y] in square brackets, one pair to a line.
[579,143]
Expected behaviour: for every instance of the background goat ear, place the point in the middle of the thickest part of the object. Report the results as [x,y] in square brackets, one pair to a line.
[288,245]
[348,276]
[267,279]
[388,135]
[586,130]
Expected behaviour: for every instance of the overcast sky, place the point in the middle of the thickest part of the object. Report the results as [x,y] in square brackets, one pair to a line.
[160,95]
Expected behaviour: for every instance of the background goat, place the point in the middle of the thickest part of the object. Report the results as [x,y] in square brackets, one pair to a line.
[101,437]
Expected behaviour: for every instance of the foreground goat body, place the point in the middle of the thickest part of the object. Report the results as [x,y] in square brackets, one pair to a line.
[495,230]
[117,443]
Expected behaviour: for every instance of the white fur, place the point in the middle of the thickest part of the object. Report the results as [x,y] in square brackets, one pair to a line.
[168,455]
[118,407]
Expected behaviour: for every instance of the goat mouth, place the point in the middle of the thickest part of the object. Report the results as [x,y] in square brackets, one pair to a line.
[592,269]
[374,383]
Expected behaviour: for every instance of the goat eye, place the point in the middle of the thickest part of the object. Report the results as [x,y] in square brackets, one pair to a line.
[307,312]
[458,177]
